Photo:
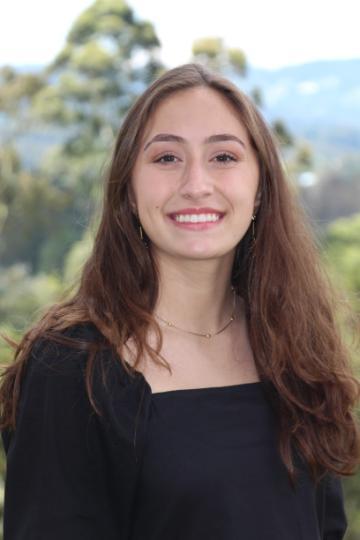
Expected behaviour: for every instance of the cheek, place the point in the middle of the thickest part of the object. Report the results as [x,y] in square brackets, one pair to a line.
[239,193]
[241,188]
[151,193]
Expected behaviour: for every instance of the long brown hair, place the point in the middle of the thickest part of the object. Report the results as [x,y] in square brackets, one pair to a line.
[290,303]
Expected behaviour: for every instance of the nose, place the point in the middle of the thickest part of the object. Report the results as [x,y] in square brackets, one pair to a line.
[196,181]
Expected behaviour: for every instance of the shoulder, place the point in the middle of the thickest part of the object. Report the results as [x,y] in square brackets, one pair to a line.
[56,365]
[57,378]
[82,351]
[69,352]
[122,399]
[72,342]
[79,361]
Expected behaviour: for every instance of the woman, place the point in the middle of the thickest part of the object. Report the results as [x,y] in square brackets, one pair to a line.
[196,386]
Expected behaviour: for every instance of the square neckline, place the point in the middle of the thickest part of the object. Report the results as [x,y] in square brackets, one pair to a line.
[197,390]
[208,389]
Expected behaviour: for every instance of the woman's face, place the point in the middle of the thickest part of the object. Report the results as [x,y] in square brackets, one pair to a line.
[196,177]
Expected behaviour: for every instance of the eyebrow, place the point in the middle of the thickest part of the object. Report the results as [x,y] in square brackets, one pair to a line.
[168,137]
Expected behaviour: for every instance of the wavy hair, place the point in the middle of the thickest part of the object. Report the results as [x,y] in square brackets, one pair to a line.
[290,303]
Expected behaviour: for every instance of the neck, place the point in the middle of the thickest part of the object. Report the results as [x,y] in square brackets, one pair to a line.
[195,295]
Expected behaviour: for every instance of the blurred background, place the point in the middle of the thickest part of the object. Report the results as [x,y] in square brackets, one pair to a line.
[69,71]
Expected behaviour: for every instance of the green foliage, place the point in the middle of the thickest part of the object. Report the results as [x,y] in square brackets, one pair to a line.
[6,350]
[110,17]
[23,296]
[40,215]
[3,214]
[282,133]
[10,166]
[343,252]
[208,47]
[342,259]
[238,60]
[108,58]
[352,496]
[92,60]
[304,157]
[257,96]
[48,106]
[31,211]
[76,257]
[212,52]
[107,55]
[17,89]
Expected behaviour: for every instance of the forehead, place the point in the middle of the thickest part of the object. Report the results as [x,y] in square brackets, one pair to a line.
[202,110]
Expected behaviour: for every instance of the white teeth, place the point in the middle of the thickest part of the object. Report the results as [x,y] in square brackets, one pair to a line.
[197,218]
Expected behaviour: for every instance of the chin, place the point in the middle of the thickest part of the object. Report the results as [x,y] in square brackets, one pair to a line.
[196,250]
[201,253]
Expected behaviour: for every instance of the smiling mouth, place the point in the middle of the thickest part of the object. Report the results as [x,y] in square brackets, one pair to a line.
[197,221]
[196,218]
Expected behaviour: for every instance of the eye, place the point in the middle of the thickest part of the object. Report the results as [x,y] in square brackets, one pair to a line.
[225,158]
[166,158]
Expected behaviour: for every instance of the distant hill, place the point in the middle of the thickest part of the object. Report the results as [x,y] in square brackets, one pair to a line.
[318,101]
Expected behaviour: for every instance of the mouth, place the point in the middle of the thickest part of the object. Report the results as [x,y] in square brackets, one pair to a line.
[196,219]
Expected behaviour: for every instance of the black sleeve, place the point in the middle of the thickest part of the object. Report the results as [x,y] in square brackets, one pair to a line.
[69,475]
[335,521]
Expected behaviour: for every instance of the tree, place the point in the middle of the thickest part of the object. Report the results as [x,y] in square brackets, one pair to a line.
[212,52]
[109,57]
[34,216]
[16,93]
[23,295]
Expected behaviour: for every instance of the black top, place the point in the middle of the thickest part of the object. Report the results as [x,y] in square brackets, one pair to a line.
[165,462]
[211,469]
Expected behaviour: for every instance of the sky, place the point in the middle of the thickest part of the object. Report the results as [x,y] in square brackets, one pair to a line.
[272,33]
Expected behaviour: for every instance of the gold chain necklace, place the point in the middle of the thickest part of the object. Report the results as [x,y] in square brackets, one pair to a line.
[208,335]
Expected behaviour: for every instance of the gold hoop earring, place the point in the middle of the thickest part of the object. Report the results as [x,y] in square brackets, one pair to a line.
[143,239]
[253,217]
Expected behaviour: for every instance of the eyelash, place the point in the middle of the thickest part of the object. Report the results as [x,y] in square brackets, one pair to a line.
[231,158]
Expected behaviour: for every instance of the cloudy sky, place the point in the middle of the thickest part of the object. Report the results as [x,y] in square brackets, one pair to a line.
[272,34]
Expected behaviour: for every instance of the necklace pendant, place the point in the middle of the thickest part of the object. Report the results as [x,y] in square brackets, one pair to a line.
[208,336]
